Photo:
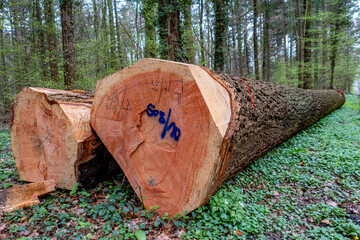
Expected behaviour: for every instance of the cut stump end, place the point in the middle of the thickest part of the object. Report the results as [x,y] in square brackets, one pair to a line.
[164,122]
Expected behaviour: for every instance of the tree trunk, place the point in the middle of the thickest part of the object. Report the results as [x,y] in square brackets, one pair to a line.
[174,37]
[51,138]
[51,38]
[221,24]
[163,23]
[323,46]
[307,78]
[299,46]
[41,40]
[67,26]
[255,39]
[2,49]
[285,17]
[112,36]
[96,30]
[178,131]
[188,34]
[150,31]
[119,47]
[202,52]
[266,42]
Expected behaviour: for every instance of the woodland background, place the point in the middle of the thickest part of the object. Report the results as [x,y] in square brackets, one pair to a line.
[72,43]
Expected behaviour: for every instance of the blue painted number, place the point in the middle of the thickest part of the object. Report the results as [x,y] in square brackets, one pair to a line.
[175,133]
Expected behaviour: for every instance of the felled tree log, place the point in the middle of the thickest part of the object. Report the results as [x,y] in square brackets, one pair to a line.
[51,138]
[178,131]
[22,196]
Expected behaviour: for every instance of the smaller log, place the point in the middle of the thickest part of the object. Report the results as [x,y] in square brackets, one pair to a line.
[51,138]
[22,196]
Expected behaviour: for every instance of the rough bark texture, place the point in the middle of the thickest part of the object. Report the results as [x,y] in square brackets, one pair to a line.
[51,138]
[22,196]
[178,130]
[266,115]
[51,38]
[67,30]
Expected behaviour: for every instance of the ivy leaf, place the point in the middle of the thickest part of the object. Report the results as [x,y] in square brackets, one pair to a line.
[140,235]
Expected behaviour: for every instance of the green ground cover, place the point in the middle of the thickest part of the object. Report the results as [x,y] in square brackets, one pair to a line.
[306,188]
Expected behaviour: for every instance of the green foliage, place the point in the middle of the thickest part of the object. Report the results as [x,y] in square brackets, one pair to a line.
[306,188]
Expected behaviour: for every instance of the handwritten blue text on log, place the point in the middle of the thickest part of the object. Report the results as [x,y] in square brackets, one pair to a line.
[175,133]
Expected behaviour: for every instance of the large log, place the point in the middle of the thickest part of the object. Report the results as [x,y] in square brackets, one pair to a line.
[51,138]
[178,130]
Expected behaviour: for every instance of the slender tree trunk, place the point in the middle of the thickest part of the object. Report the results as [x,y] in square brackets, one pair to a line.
[163,23]
[67,27]
[202,52]
[50,29]
[150,32]
[284,39]
[41,39]
[246,50]
[112,35]
[238,23]
[255,39]
[266,42]
[307,46]
[188,34]
[2,49]
[137,29]
[299,44]
[334,49]
[119,47]
[96,30]
[324,45]
[104,35]
[174,39]
[220,27]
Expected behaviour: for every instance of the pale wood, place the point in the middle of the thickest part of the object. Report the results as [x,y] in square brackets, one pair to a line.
[22,196]
[51,137]
[225,123]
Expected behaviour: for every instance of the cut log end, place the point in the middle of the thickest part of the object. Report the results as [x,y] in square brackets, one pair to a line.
[51,136]
[161,127]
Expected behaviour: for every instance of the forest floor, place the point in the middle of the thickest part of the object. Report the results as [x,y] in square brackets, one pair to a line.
[306,188]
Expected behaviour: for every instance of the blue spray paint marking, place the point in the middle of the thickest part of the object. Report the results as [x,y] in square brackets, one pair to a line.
[175,133]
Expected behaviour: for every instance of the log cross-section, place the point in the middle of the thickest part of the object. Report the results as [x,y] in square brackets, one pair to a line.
[51,138]
[178,130]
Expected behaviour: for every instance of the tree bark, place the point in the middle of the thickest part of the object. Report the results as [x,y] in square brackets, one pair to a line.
[119,47]
[255,41]
[96,30]
[188,33]
[266,42]
[112,35]
[307,78]
[221,24]
[67,26]
[150,30]
[51,138]
[202,52]
[50,30]
[41,39]
[178,130]
[299,44]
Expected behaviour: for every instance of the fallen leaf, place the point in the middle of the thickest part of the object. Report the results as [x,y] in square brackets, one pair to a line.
[2,226]
[276,193]
[331,203]
[326,221]
[237,232]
